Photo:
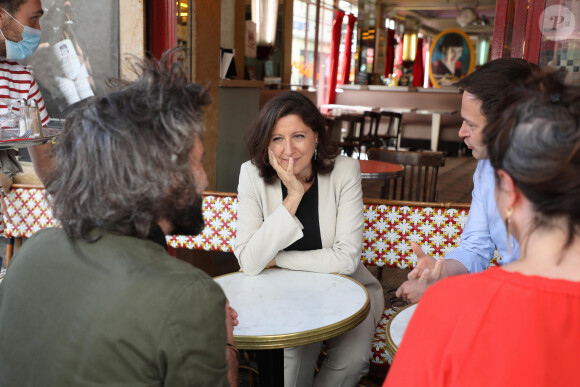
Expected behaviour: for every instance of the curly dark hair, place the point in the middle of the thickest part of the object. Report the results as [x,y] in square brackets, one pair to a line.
[535,138]
[123,160]
[260,132]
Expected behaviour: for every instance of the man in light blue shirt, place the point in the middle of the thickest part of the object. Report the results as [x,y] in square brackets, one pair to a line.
[485,231]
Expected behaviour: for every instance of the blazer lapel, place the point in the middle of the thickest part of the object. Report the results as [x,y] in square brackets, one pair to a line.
[326,209]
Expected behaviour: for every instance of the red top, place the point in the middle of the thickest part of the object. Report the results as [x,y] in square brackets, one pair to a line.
[494,328]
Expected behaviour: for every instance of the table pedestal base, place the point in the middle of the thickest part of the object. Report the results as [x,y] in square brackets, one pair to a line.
[271,367]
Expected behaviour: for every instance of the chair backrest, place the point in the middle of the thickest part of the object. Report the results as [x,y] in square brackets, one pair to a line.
[353,120]
[390,136]
[419,182]
[369,134]
[348,141]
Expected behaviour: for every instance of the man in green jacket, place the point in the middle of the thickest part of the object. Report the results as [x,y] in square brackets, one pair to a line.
[100,301]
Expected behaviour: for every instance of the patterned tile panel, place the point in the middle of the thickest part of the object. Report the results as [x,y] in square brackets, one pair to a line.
[29,211]
[389,231]
[379,348]
[221,216]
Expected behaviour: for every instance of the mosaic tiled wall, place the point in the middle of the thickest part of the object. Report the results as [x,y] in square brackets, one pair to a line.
[560,45]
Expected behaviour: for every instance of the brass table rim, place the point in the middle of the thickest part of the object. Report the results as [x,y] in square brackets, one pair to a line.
[382,175]
[305,337]
[390,344]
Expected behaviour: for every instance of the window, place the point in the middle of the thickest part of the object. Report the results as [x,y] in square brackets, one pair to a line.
[310,57]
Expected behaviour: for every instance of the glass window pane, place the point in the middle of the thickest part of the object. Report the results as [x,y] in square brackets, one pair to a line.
[303,36]
[305,42]
[560,44]
[79,50]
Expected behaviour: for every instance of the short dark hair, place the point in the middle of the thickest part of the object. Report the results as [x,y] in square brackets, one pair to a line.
[260,132]
[11,6]
[451,39]
[490,81]
[535,138]
[122,162]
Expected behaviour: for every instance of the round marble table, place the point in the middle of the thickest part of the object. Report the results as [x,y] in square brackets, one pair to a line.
[396,327]
[281,308]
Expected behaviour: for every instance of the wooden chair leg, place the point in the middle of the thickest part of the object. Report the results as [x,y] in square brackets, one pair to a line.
[248,363]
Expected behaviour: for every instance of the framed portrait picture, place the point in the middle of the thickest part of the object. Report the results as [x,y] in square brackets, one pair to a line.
[451,57]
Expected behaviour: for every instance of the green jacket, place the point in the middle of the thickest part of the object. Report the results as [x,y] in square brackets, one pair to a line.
[117,312]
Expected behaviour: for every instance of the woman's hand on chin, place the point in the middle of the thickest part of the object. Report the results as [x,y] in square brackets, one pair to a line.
[289,179]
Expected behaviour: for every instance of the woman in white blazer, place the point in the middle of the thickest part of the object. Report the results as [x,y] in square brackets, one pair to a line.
[300,208]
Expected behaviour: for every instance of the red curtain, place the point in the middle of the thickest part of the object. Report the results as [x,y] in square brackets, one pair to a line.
[390,59]
[334,53]
[418,69]
[347,49]
[162,27]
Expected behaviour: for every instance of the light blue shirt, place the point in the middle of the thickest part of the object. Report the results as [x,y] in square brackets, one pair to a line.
[484,231]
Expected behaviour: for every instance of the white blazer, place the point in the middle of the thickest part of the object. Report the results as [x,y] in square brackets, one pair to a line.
[265,227]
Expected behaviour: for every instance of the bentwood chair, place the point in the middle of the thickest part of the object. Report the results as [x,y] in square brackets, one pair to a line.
[369,137]
[344,132]
[391,136]
[419,182]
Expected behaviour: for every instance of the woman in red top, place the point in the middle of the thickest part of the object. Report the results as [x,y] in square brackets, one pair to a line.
[518,325]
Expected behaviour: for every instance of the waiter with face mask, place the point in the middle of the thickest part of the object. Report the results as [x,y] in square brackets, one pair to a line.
[19,38]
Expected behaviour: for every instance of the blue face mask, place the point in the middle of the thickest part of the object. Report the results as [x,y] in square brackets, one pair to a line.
[28,44]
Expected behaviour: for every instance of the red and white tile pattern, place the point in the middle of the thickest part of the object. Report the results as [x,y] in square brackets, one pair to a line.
[221,216]
[389,231]
[29,210]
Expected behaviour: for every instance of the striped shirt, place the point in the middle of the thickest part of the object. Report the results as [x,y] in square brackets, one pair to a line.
[16,82]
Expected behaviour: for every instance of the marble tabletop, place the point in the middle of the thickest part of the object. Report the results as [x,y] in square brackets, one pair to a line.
[397,326]
[281,308]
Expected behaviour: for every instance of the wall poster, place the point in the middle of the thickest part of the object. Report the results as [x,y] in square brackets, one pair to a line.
[451,57]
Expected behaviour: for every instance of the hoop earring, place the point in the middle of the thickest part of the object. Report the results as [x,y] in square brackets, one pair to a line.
[315,151]
[509,213]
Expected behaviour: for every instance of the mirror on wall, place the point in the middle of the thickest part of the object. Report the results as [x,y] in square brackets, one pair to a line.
[406,32]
